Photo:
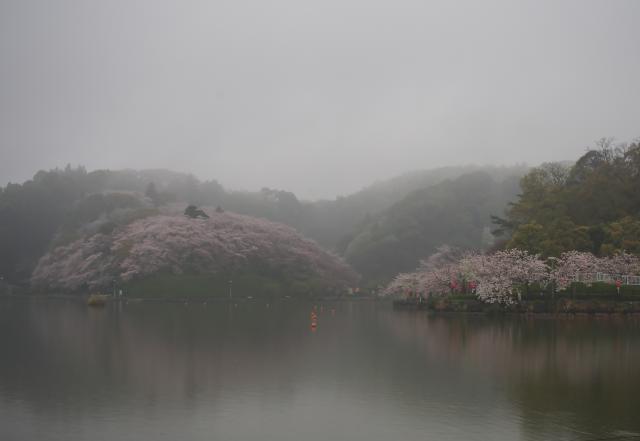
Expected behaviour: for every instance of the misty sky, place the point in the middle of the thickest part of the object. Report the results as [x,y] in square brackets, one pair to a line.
[317,97]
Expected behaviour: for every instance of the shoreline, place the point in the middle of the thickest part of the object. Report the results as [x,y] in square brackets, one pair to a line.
[193,299]
[547,307]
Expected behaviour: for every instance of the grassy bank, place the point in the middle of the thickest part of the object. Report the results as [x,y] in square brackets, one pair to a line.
[7,289]
[237,285]
[592,301]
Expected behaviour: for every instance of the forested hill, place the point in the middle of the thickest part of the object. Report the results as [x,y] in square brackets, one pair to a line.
[455,212]
[333,222]
[592,206]
[56,205]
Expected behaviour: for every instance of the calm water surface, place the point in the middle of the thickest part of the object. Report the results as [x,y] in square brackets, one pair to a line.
[258,372]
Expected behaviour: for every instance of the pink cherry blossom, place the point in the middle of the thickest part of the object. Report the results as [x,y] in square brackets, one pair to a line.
[225,242]
[501,277]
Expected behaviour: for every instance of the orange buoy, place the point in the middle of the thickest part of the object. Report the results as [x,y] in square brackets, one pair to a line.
[314,319]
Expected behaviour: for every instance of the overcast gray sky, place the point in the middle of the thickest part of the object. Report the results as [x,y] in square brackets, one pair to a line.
[318,97]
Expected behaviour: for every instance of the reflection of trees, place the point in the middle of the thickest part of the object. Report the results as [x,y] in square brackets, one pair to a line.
[579,372]
[143,352]
[472,373]
[155,355]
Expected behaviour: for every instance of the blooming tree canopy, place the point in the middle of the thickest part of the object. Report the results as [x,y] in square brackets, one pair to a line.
[568,267]
[178,244]
[501,277]
[435,274]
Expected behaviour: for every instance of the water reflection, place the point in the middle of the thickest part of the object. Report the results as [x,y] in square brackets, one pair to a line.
[575,376]
[252,371]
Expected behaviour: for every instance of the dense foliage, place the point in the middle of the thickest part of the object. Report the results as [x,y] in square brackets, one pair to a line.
[593,205]
[455,211]
[178,244]
[335,223]
[501,277]
[59,206]
[30,216]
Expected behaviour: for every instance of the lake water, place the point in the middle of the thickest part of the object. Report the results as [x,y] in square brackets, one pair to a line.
[261,372]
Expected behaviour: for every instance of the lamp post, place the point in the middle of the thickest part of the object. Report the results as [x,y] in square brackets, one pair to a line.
[230,285]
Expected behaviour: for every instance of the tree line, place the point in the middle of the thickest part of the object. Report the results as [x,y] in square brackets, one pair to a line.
[60,205]
[592,205]
[506,275]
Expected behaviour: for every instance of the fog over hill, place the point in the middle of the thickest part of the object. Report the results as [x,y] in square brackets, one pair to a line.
[318,98]
[62,205]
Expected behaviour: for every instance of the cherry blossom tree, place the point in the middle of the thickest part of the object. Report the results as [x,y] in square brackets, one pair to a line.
[622,263]
[177,244]
[496,278]
[403,284]
[576,266]
[501,277]
[504,276]
[436,275]
[570,265]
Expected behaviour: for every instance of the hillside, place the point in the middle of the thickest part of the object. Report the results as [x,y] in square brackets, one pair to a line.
[592,206]
[57,206]
[333,222]
[222,246]
[454,212]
